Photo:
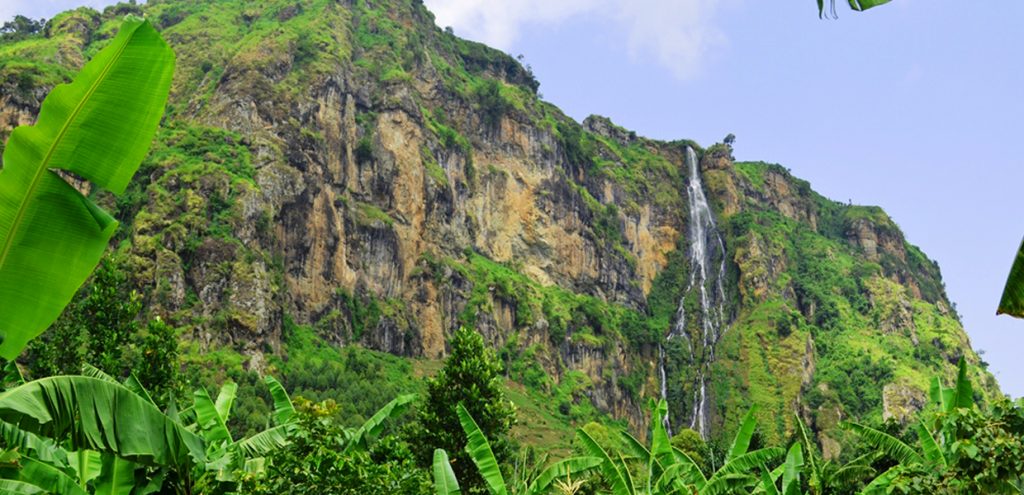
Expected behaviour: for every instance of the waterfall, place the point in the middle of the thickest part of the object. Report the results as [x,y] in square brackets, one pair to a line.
[706,246]
[664,385]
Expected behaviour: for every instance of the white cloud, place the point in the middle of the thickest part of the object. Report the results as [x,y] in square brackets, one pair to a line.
[677,34]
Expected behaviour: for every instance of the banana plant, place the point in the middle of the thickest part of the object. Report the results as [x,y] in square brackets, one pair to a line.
[98,128]
[225,455]
[670,470]
[71,437]
[932,439]
[479,450]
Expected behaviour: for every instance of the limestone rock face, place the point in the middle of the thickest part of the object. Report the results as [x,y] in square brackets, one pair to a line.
[901,402]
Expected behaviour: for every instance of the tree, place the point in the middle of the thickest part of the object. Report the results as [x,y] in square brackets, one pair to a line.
[323,457]
[158,363]
[531,482]
[97,328]
[470,377]
[20,28]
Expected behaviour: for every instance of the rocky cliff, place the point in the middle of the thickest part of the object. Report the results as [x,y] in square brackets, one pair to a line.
[350,167]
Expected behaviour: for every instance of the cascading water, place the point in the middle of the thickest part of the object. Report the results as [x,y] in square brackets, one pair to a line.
[706,247]
[664,385]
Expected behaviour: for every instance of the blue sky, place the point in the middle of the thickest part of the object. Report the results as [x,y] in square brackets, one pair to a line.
[914,106]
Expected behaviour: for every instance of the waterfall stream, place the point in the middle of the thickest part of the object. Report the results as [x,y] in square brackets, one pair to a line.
[706,247]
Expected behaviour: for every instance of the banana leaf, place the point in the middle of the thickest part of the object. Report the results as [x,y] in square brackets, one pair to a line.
[479,449]
[373,426]
[791,471]
[212,425]
[283,407]
[860,5]
[1012,302]
[99,415]
[741,442]
[562,469]
[267,441]
[932,451]
[888,444]
[39,473]
[964,392]
[12,487]
[611,472]
[117,476]
[444,477]
[98,128]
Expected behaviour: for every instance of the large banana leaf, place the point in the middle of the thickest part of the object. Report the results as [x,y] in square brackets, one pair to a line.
[12,487]
[741,442]
[267,441]
[562,469]
[479,450]
[767,483]
[444,477]
[932,451]
[1012,302]
[35,446]
[99,128]
[117,476]
[748,462]
[880,484]
[208,415]
[888,444]
[42,474]
[283,407]
[99,415]
[87,465]
[611,472]
[791,470]
[964,392]
[373,426]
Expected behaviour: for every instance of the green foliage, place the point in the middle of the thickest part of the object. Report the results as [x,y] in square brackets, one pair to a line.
[92,413]
[97,328]
[855,381]
[576,146]
[315,462]
[20,28]
[359,381]
[51,237]
[691,444]
[470,377]
[100,328]
[491,102]
[158,364]
[364,150]
[365,312]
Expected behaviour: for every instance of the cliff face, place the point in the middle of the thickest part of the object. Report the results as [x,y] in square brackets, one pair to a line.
[350,167]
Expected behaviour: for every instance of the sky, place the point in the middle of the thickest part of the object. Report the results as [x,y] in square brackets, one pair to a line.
[913,106]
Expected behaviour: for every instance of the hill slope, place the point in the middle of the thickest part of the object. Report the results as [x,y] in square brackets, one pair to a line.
[341,173]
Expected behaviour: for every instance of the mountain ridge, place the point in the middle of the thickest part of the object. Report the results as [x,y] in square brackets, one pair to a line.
[348,168]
